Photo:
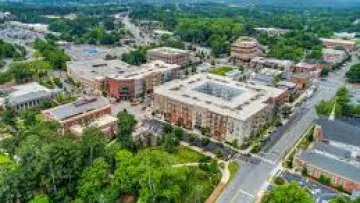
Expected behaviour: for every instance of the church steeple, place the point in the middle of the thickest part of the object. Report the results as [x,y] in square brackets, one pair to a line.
[332,114]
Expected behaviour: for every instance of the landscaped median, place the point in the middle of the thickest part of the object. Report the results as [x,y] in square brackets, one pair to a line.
[221,70]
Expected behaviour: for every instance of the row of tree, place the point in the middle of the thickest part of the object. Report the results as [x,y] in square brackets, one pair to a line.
[86,29]
[342,105]
[48,167]
[8,50]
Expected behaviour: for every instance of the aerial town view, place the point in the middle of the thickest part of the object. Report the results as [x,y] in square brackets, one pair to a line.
[179,101]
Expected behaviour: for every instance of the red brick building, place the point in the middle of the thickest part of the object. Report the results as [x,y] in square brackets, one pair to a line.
[137,83]
[89,112]
[335,155]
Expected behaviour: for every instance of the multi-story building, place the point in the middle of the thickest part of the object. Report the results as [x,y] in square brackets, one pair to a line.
[93,73]
[138,82]
[303,67]
[227,109]
[347,45]
[302,80]
[334,56]
[335,155]
[26,96]
[87,112]
[169,56]
[120,80]
[244,49]
[272,31]
[258,63]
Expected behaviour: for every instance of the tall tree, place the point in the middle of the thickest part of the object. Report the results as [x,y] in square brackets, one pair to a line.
[126,124]
[289,193]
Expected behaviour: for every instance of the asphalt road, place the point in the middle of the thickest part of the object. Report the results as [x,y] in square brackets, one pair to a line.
[252,177]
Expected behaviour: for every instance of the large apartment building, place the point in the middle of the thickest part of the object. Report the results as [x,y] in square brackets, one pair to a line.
[138,82]
[244,49]
[87,112]
[169,56]
[227,109]
[120,80]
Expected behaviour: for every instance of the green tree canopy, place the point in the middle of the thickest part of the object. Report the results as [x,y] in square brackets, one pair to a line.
[289,193]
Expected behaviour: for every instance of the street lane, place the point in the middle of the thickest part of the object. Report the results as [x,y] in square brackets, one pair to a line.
[251,179]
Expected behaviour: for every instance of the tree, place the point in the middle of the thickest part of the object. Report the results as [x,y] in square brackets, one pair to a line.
[40,199]
[93,180]
[94,143]
[29,117]
[171,142]
[288,193]
[126,124]
[354,73]
[9,117]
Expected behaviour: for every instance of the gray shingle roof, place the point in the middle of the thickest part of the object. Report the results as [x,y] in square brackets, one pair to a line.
[331,165]
[72,109]
[338,152]
[339,131]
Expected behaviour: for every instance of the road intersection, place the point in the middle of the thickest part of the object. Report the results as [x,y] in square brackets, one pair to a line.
[252,177]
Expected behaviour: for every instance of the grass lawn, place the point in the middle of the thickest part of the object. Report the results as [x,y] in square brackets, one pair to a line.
[200,183]
[186,155]
[221,70]
[233,168]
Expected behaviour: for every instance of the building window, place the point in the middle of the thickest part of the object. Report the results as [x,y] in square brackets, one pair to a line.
[333,179]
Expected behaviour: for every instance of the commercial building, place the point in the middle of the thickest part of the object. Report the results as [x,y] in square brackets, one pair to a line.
[137,82]
[265,76]
[227,109]
[347,45]
[87,112]
[26,96]
[334,56]
[272,31]
[244,49]
[169,56]
[289,86]
[345,35]
[93,73]
[335,155]
[262,62]
[120,80]
[303,67]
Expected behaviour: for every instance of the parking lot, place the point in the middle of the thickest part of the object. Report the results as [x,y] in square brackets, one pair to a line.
[138,111]
[19,35]
[86,52]
[321,193]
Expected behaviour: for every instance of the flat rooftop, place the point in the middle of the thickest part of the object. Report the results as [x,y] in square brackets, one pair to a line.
[98,69]
[339,41]
[76,108]
[144,70]
[220,95]
[270,61]
[117,69]
[168,51]
[97,123]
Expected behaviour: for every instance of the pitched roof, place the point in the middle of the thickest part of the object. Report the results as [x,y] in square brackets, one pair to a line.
[339,131]
[331,165]
[329,149]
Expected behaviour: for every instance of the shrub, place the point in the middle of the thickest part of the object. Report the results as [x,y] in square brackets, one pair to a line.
[279,181]
[204,141]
